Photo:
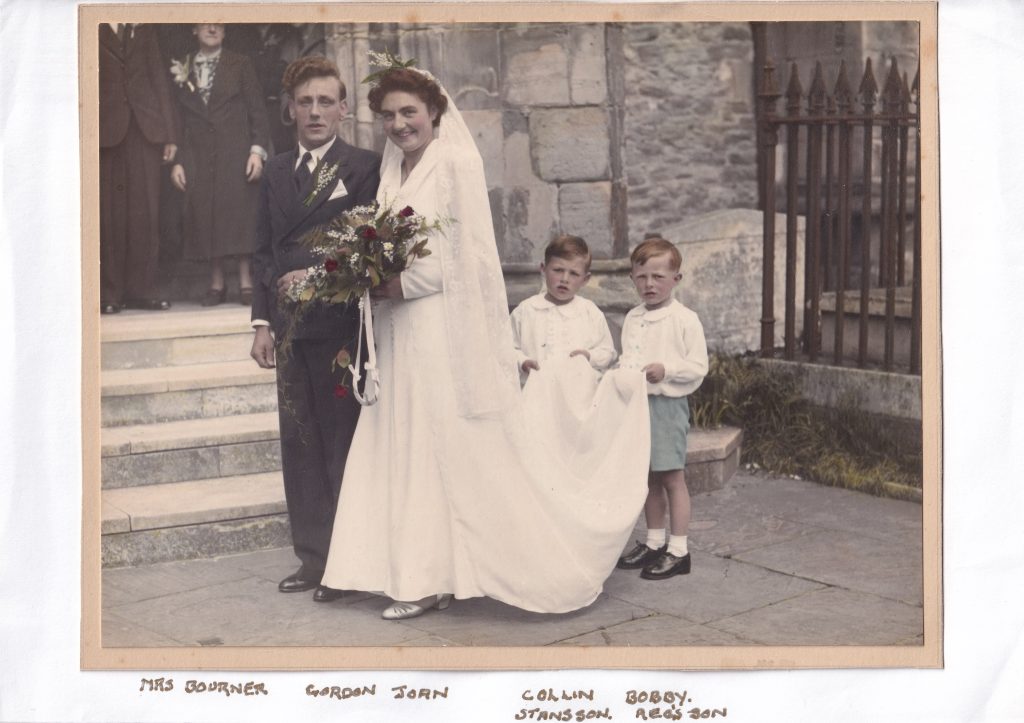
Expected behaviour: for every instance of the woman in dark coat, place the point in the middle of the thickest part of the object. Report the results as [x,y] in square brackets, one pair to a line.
[221,157]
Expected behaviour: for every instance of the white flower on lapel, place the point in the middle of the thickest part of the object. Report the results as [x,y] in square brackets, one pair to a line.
[324,175]
[181,70]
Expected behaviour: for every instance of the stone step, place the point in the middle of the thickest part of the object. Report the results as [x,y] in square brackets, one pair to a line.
[151,454]
[185,334]
[712,458]
[196,518]
[203,517]
[163,394]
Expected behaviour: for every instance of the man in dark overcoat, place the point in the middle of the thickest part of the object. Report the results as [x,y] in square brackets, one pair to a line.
[137,133]
[316,423]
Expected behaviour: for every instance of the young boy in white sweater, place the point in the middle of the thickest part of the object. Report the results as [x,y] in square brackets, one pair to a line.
[556,323]
[666,341]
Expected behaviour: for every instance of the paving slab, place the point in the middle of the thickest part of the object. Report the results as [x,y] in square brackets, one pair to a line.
[715,588]
[809,503]
[127,585]
[775,562]
[828,617]
[727,534]
[658,629]
[118,632]
[884,568]
[487,622]
[251,612]
[337,623]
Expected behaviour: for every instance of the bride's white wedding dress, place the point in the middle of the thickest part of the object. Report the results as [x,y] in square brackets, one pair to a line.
[529,502]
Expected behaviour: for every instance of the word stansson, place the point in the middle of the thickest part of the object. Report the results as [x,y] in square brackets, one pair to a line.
[568,714]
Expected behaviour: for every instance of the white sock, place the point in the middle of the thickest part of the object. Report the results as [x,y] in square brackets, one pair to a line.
[677,545]
[655,538]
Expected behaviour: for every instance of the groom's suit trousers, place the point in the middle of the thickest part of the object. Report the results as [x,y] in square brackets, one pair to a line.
[316,432]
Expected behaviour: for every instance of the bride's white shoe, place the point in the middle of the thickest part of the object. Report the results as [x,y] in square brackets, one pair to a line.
[406,610]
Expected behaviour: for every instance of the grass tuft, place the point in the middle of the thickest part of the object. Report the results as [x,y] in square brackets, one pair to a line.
[786,434]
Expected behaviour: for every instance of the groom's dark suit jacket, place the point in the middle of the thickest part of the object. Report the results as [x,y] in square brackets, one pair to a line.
[316,423]
[282,221]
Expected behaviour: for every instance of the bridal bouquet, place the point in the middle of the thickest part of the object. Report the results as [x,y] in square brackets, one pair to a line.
[362,249]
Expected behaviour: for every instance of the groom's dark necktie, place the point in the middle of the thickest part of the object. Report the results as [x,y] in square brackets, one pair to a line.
[302,172]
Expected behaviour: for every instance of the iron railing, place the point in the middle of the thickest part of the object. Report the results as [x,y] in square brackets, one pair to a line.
[844,262]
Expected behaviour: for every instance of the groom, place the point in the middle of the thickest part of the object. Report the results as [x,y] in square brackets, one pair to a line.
[317,417]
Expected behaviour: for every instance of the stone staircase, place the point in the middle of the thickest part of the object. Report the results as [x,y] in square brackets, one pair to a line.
[190,453]
[190,450]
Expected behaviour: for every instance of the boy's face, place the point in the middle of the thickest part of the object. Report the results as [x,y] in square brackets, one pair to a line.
[564,277]
[655,280]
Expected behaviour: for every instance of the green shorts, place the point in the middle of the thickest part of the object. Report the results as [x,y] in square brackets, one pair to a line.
[670,421]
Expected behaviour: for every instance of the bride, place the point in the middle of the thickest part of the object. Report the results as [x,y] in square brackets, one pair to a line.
[457,483]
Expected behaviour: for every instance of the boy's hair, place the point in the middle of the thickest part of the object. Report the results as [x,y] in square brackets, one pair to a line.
[567,247]
[308,67]
[654,245]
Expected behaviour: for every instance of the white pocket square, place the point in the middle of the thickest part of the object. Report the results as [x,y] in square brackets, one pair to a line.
[338,191]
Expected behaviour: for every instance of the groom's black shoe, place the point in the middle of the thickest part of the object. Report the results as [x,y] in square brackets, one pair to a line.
[327,594]
[639,556]
[300,581]
[666,566]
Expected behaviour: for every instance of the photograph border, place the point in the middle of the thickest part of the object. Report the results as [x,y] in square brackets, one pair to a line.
[929,655]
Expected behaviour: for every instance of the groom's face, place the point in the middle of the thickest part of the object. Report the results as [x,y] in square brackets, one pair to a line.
[317,109]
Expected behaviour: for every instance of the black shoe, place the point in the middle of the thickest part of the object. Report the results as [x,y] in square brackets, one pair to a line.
[213,297]
[326,594]
[666,566]
[299,582]
[639,556]
[148,304]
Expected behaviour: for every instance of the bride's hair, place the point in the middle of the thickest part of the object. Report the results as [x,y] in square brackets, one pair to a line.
[407,80]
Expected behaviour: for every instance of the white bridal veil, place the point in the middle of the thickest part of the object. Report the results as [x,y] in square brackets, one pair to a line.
[479,333]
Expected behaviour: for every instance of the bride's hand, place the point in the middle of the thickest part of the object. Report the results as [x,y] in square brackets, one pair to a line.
[390,289]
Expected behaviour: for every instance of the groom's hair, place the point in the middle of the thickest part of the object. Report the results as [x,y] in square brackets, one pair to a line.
[567,247]
[306,68]
[406,80]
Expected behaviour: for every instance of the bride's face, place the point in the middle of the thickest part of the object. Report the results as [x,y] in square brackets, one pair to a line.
[407,121]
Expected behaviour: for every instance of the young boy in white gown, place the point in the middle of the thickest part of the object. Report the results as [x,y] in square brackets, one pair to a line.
[666,341]
[557,324]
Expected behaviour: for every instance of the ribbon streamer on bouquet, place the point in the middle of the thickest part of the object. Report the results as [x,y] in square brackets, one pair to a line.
[371,388]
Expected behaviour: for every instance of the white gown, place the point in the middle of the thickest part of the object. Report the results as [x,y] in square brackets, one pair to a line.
[531,507]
